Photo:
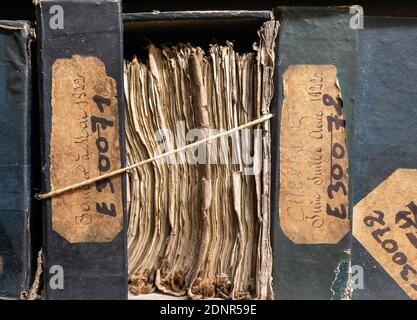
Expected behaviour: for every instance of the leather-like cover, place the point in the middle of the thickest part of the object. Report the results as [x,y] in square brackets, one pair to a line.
[312,35]
[385,128]
[15,159]
[91,28]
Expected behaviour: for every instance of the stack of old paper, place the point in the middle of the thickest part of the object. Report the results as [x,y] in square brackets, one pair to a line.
[199,219]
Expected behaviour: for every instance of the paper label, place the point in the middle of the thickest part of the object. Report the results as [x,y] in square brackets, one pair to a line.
[84,144]
[313,199]
[385,223]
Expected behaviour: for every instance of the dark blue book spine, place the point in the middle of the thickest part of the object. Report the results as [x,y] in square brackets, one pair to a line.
[15,159]
[82,118]
[384,247]
[312,130]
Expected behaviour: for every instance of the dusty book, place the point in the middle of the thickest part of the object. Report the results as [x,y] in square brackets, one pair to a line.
[384,249]
[17,219]
[82,118]
[312,132]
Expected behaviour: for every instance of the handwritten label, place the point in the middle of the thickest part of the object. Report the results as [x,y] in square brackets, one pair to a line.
[85,144]
[385,223]
[313,198]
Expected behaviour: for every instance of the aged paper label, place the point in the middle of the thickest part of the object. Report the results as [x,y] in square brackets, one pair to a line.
[385,223]
[313,198]
[85,144]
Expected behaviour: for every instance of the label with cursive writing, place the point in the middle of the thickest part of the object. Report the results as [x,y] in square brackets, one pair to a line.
[385,223]
[313,197]
[85,144]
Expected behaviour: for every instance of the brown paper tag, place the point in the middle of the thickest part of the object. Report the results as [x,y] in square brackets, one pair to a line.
[385,223]
[313,199]
[85,144]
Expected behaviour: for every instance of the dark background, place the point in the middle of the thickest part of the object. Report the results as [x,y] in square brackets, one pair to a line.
[24,9]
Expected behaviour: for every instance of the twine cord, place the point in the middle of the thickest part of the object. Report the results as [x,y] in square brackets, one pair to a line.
[43,196]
